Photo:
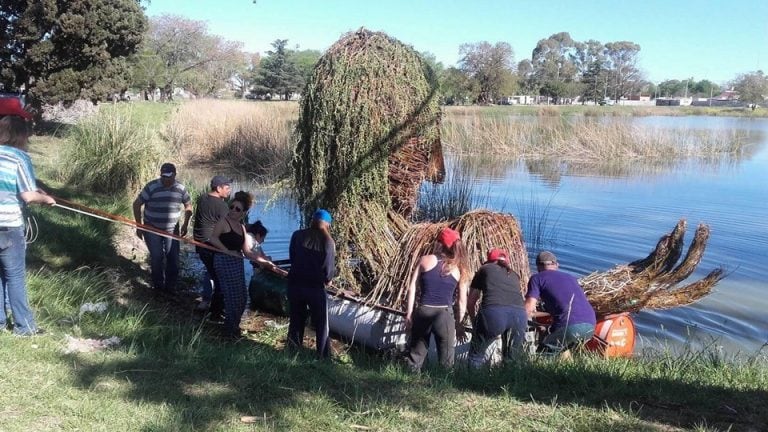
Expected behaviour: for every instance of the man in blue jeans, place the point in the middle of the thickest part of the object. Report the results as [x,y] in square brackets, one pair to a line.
[17,188]
[163,200]
[573,316]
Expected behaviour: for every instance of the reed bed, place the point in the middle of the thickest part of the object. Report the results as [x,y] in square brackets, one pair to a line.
[583,141]
[112,152]
[252,137]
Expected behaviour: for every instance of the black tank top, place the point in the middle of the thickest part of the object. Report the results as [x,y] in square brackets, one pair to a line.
[436,288]
[232,240]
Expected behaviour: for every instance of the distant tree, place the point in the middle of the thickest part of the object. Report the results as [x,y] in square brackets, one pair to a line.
[178,51]
[243,78]
[752,87]
[555,68]
[624,74]
[705,88]
[457,87]
[305,61]
[526,78]
[594,81]
[60,51]
[671,88]
[278,74]
[490,65]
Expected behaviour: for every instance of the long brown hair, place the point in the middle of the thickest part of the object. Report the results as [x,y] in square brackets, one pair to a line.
[453,257]
[14,131]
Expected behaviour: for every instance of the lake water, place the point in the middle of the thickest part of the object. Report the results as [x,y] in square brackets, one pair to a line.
[597,218]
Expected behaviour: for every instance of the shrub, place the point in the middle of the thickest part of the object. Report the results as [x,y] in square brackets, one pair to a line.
[110,152]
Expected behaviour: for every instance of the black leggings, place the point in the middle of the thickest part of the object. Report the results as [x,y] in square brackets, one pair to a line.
[428,321]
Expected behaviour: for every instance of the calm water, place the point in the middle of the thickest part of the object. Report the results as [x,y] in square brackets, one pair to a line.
[597,218]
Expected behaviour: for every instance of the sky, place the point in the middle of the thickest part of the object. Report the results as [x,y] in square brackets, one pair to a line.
[679,39]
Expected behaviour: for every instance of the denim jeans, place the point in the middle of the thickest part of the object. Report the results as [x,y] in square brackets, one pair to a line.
[13,249]
[569,336]
[163,260]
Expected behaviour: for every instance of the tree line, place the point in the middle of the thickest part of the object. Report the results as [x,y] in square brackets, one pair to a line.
[55,51]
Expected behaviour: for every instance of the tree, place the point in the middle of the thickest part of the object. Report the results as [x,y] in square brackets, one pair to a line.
[305,61]
[180,52]
[457,87]
[624,74]
[60,51]
[490,65]
[278,73]
[752,88]
[554,66]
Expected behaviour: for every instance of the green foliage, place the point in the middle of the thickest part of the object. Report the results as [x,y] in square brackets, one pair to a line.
[179,52]
[278,74]
[59,51]
[752,87]
[111,152]
[492,66]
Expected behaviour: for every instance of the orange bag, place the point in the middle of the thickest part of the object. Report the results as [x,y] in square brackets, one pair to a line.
[614,336]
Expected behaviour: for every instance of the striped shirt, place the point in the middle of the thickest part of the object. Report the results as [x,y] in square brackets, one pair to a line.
[16,176]
[163,205]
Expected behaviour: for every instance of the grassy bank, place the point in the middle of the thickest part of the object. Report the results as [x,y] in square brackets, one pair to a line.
[172,372]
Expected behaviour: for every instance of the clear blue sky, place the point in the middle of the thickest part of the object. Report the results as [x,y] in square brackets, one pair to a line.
[713,39]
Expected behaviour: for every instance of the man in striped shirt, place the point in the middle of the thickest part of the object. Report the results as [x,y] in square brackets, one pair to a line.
[17,188]
[163,200]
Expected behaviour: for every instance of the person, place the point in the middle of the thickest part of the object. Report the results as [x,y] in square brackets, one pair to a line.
[163,200]
[229,237]
[573,319]
[255,234]
[17,188]
[502,309]
[209,209]
[440,275]
[312,252]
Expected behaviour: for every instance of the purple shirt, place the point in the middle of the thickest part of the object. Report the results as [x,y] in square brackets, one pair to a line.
[563,298]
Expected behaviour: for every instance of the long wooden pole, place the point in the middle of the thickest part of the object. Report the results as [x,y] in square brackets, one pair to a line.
[99,214]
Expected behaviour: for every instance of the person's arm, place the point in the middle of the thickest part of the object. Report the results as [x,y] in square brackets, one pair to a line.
[329,261]
[461,299]
[187,216]
[137,203]
[530,305]
[411,296]
[474,296]
[257,258]
[37,197]
[218,230]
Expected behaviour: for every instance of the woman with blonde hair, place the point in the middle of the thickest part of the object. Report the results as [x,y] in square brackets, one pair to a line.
[441,276]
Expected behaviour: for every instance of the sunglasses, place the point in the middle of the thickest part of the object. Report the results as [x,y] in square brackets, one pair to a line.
[235,208]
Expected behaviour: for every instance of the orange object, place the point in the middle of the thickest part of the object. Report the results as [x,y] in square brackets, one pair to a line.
[614,336]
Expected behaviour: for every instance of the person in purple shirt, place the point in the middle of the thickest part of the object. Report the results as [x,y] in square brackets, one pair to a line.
[573,316]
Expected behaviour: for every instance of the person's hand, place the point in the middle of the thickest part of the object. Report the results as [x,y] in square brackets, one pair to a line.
[184,229]
[139,234]
[48,200]
[461,333]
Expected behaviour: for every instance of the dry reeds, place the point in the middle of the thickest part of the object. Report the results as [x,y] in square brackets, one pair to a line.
[651,283]
[582,140]
[254,137]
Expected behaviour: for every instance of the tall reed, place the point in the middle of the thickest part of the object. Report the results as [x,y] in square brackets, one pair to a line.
[582,140]
[111,152]
[252,137]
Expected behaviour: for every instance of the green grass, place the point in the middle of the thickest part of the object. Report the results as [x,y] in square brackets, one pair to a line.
[171,372]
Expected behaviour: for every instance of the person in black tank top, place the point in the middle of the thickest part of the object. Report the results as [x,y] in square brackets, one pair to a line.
[502,310]
[440,276]
[229,236]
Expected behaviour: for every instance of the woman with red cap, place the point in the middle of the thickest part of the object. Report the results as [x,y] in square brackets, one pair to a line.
[441,276]
[502,310]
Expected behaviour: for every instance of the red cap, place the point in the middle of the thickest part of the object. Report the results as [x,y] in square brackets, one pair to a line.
[12,106]
[496,254]
[448,237]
